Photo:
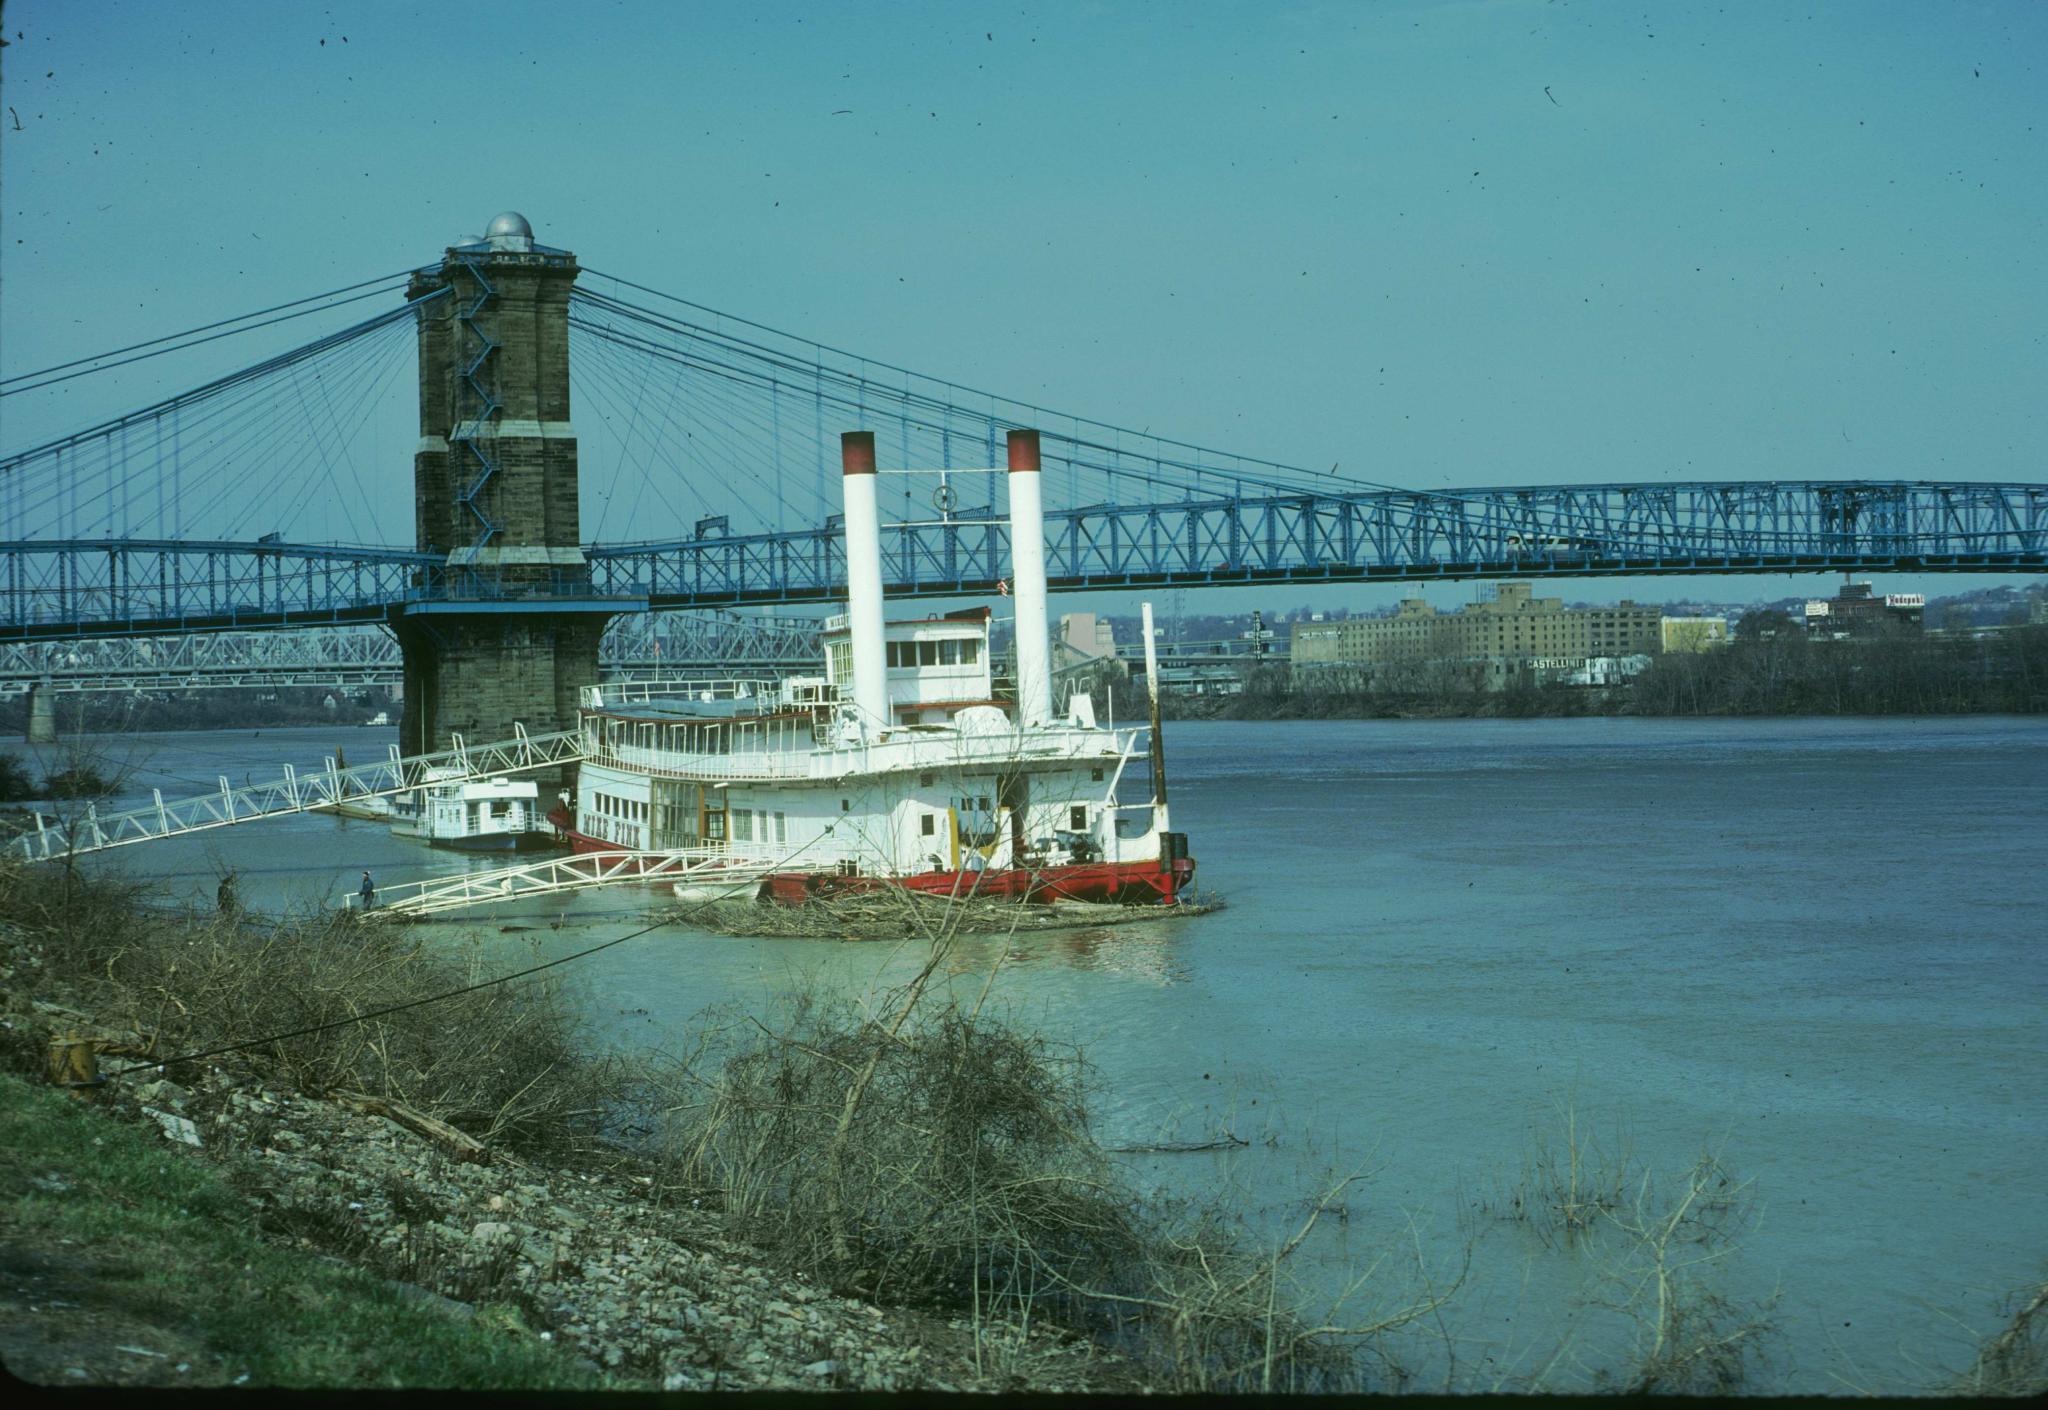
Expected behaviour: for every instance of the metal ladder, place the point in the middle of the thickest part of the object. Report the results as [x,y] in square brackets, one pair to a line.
[471,431]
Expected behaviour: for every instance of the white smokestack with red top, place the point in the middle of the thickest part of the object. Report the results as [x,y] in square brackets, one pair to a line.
[1027,576]
[864,581]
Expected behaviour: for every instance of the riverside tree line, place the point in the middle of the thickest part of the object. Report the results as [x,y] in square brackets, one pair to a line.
[1770,668]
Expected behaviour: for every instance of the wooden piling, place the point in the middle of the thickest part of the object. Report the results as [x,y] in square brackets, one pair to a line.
[74,1066]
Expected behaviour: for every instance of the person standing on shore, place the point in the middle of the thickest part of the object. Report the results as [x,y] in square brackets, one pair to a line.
[368,892]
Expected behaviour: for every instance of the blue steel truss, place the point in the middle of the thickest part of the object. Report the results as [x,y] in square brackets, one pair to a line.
[107,587]
[114,586]
[1547,531]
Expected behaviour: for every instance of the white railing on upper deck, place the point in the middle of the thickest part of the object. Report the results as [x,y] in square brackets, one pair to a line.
[597,697]
[908,748]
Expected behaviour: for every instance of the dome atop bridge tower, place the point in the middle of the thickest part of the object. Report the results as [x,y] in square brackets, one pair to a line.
[509,231]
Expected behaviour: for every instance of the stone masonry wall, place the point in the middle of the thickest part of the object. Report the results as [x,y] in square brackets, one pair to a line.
[478,675]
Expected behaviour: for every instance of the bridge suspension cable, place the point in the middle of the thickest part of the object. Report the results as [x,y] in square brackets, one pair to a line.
[1167,453]
[179,342]
[187,464]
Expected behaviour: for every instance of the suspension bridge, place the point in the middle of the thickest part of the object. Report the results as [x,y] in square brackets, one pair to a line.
[703,459]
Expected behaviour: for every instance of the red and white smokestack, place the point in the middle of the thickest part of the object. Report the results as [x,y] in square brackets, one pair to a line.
[1027,579]
[864,581]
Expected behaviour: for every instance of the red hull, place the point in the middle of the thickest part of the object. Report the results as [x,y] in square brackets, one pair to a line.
[1125,883]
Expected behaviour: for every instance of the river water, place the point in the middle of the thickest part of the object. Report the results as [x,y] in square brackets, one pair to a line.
[1813,946]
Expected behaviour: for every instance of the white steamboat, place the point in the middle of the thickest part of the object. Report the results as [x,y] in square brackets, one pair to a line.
[900,765]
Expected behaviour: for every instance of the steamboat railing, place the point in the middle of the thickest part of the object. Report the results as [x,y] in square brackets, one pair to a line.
[948,752]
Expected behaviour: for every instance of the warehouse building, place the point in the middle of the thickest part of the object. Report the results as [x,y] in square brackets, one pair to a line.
[1510,636]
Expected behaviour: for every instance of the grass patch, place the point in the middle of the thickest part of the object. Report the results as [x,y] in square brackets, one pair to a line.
[168,1242]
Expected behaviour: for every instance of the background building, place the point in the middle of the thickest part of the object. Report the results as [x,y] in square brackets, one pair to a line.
[1857,611]
[1692,633]
[1514,635]
[1085,636]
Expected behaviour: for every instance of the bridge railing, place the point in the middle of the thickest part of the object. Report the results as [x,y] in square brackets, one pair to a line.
[295,792]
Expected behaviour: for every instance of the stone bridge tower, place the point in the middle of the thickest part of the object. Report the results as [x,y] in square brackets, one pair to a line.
[508,631]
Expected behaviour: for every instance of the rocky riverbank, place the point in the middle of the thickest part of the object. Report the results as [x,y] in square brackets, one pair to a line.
[638,1284]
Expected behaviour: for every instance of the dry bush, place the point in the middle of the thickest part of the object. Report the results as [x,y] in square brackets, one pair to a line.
[2013,1361]
[506,1064]
[1691,1339]
[927,1151]
[85,911]
[963,1124]
[1570,1182]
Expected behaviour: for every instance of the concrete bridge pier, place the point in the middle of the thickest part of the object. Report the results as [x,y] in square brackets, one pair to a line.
[508,633]
[477,675]
[42,713]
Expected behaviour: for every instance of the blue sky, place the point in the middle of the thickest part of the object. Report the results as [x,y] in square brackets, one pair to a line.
[1439,244]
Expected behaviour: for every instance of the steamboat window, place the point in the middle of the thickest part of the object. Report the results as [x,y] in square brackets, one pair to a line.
[781,828]
[845,806]
[1095,775]
[929,825]
[968,652]
[949,653]
[742,825]
[924,780]
[927,653]
[1077,818]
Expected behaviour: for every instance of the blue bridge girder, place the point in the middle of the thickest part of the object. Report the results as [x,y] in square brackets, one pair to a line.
[1388,536]
[107,587]
[104,587]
